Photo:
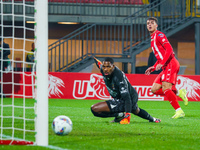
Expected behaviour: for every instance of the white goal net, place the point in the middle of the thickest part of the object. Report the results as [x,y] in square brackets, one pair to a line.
[20,68]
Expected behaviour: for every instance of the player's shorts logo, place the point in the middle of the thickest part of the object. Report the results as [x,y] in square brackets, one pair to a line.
[190,85]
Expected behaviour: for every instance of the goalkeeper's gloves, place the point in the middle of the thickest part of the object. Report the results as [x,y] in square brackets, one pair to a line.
[127,118]
[98,62]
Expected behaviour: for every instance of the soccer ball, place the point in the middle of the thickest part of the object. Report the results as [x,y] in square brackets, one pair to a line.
[62,125]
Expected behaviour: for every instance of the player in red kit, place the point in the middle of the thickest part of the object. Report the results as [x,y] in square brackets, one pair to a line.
[164,83]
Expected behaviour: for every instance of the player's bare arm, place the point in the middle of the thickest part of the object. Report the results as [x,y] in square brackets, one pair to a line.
[158,67]
[149,70]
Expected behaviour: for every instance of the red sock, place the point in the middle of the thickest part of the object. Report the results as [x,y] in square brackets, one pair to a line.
[174,89]
[160,92]
[172,98]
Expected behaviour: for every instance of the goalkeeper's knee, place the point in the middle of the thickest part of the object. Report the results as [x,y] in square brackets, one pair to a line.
[95,113]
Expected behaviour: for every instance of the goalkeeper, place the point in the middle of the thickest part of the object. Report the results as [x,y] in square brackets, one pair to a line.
[124,96]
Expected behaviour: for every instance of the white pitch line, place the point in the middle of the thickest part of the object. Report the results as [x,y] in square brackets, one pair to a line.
[55,147]
[49,146]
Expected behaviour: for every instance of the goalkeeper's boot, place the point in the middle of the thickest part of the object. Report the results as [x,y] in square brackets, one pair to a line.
[156,120]
[118,119]
[126,119]
[179,114]
[182,95]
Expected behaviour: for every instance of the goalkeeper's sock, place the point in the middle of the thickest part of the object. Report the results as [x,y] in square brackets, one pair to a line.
[172,98]
[145,115]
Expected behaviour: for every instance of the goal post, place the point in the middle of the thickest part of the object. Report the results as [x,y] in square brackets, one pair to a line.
[41,15]
[24,95]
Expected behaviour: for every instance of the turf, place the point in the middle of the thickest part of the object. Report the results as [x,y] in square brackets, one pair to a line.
[93,133]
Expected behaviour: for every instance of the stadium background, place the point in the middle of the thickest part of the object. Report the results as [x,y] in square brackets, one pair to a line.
[66,16]
[109,35]
[87,128]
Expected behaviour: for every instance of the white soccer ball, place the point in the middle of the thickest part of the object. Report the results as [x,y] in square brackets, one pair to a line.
[62,125]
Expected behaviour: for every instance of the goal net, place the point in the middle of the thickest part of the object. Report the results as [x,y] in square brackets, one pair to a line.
[23,38]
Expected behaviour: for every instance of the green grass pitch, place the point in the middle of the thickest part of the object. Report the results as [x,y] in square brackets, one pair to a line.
[93,133]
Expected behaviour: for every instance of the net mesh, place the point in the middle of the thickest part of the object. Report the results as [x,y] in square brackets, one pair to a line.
[17,111]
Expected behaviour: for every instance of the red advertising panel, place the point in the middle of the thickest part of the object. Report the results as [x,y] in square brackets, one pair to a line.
[91,86]
[18,84]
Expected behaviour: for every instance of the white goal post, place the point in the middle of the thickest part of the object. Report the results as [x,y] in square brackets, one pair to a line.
[24,95]
[41,15]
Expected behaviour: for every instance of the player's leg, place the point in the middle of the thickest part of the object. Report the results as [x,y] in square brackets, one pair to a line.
[168,79]
[157,89]
[166,86]
[173,100]
[100,107]
[134,98]
[103,109]
[117,106]
[182,93]
[144,114]
[157,86]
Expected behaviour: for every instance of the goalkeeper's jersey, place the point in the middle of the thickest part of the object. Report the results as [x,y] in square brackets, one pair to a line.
[120,88]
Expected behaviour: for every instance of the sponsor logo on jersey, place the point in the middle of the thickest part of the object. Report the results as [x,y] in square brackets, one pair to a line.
[161,35]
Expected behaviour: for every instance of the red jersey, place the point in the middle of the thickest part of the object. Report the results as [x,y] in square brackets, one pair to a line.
[165,56]
[161,48]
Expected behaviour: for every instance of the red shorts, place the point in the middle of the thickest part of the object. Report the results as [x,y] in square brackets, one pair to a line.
[169,73]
